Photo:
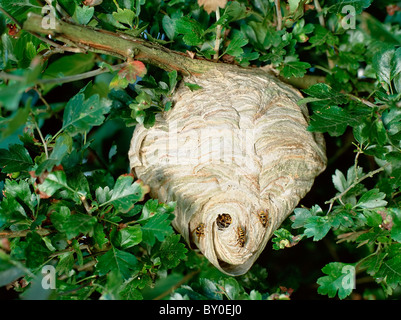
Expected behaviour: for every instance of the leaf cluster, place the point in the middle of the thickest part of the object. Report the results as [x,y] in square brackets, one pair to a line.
[69,201]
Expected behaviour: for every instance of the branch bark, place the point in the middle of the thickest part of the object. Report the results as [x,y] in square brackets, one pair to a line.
[127,47]
[118,45]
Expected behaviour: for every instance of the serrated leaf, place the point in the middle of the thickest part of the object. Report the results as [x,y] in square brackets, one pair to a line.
[358,5]
[157,227]
[62,147]
[125,193]
[340,279]
[234,48]
[132,71]
[331,119]
[390,267]
[15,159]
[78,223]
[36,251]
[130,236]
[125,16]
[54,181]
[372,199]
[317,227]
[116,260]
[322,36]
[295,69]
[172,251]
[81,115]
[300,217]
[323,94]
[20,190]
[191,29]
[84,14]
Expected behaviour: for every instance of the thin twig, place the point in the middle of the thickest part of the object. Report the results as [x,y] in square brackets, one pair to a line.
[75,77]
[279,15]
[364,101]
[323,24]
[41,137]
[357,181]
[21,234]
[218,36]
[320,12]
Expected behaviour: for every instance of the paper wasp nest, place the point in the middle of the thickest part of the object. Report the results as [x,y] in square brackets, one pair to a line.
[236,157]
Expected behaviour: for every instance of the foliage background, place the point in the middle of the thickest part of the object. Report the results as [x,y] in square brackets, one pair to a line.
[67,193]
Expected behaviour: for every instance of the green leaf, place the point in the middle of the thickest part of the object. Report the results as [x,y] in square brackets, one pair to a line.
[157,227]
[84,14]
[390,267]
[372,199]
[358,5]
[10,125]
[68,65]
[234,47]
[117,260]
[81,115]
[295,69]
[323,94]
[130,236]
[168,26]
[322,36]
[317,227]
[396,228]
[15,159]
[124,194]
[152,207]
[191,29]
[383,64]
[125,16]
[62,147]
[9,270]
[283,239]
[331,119]
[77,224]
[193,86]
[300,217]
[172,251]
[340,279]
[20,190]
[72,224]
[54,181]
[36,251]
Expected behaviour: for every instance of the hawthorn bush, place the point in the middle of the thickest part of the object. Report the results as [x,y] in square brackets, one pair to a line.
[70,206]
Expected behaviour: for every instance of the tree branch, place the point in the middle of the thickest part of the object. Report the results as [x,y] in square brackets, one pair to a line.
[119,45]
[20,234]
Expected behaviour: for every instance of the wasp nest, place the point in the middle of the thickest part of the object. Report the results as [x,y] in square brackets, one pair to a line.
[236,156]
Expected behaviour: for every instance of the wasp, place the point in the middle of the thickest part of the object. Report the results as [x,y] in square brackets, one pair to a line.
[241,236]
[223,220]
[263,218]
[200,230]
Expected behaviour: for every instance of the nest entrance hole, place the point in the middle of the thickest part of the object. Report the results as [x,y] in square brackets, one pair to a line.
[223,221]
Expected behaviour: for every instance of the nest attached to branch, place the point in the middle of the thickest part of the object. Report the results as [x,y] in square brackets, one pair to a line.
[236,156]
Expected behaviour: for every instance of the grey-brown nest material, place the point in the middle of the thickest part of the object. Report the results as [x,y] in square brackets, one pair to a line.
[235,155]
